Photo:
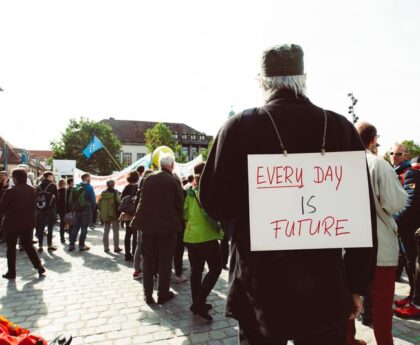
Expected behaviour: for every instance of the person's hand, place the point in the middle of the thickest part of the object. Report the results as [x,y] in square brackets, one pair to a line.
[357,306]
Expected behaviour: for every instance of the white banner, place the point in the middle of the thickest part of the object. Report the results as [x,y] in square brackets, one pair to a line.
[309,201]
[63,167]
[99,182]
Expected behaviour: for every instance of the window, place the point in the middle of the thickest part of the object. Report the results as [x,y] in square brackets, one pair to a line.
[202,137]
[194,152]
[127,158]
[186,151]
[176,136]
[140,155]
[184,136]
[118,157]
[193,137]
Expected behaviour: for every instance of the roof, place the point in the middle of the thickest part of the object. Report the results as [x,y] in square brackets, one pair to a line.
[12,156]
[133,132]
[41,154]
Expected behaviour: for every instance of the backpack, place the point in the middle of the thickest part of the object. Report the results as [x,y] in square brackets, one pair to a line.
[78,200]
[127,205]
[44,199]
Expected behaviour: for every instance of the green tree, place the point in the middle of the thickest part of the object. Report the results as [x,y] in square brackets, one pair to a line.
[205,152]
[180,156]
[78,135]
[412,147]
[160,135]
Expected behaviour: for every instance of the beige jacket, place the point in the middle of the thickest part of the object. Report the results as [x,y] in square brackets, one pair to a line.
[390,197]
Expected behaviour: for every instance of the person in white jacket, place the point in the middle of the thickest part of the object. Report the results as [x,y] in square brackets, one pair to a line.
[390,197]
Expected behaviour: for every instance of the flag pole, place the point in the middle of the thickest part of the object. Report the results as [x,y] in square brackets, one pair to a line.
[119,167]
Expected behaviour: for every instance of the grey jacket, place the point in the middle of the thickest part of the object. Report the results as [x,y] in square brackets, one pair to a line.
[390,197]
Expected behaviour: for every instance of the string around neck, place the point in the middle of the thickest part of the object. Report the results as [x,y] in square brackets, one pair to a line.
[284,150]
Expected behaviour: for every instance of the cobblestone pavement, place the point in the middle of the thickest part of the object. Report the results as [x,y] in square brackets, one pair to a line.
[93,296]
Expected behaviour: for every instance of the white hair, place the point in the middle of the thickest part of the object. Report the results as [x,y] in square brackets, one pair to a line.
[166,160]
[295,83]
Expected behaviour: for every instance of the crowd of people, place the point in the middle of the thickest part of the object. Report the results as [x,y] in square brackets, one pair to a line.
[309,296]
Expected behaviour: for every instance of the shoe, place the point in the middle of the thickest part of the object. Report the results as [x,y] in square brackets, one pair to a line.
[400,303]
[167,298]
[360,342]
[71,247]
[118,250]
[149,300]
[9,276]
[62,339]
[180,279]
[128,257]
[138,275]
[207,306]
[40,250]
[41,271]
[107,250]
[84,248]
[52,249]
[34,241]
[410,312]
[63,241]
[202,312]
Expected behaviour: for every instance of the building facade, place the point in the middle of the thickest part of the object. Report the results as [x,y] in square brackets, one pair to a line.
[132,135]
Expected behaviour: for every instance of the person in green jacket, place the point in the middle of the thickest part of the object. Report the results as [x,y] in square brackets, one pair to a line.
[202,235]
[108,206]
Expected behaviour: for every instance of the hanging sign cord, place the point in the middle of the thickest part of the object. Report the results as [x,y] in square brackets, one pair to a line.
[324,136]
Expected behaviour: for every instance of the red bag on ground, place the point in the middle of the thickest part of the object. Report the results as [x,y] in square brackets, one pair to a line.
[12,334]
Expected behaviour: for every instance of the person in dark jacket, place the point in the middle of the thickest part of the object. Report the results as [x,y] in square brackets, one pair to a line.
[304,295]
[159,217]
[46,210]
[18,205]
[62,206]
[129,192]
[4,185]
[408,221]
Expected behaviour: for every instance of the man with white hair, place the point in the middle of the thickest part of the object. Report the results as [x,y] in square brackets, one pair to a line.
[159,217]
[304,295]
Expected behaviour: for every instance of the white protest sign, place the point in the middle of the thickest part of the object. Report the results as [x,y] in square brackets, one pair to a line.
[64,167]
[309,201]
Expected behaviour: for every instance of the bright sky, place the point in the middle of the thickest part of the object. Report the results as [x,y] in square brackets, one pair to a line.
[189,61]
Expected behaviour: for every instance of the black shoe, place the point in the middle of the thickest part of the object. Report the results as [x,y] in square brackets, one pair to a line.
[107,250]
[40,250]
[52,249]
[84,248]
[150,300]
[41,271]
[9,276]
[207,306]
[63,241]
[71,247]
[62,339]
[128,257]
[202,312]
[118,250]
[168,297]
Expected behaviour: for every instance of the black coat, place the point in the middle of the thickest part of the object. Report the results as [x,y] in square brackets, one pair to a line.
[161,205]
[62,202]
[18,204]
[283,293]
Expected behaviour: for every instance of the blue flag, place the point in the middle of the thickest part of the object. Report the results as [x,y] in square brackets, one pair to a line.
[94,145]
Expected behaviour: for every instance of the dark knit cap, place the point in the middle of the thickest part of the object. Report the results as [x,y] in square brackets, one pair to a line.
[282,60]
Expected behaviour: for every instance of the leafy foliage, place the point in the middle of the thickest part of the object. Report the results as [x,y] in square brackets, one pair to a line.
[205,152]
[160,135]
[78,135]
[412,147]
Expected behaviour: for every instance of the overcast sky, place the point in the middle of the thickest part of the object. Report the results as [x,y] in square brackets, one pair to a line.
[189,61]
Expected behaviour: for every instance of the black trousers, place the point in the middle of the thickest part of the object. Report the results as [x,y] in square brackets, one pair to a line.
[130,247]
[199,254]
[224,244]
[416,293]
[179,253]
[335,336]
[25,237]
[410,244]
[162,247]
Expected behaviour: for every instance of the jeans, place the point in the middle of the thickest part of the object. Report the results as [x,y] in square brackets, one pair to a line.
[81,222]
[334,336]
[161,247]
[45,218]
[138,253]
[179,254]
[130,232]
[25,237]
[410,241]
[116,234]
[199,254]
